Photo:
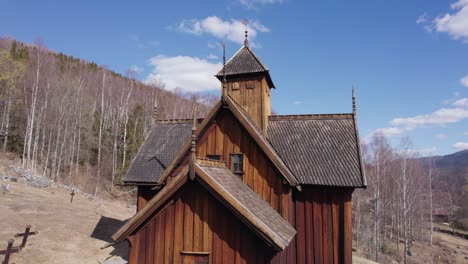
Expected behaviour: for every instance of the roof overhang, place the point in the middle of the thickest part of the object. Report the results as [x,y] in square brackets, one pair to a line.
[245,214]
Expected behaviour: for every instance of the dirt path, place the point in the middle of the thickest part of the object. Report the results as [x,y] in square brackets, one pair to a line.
[68,232]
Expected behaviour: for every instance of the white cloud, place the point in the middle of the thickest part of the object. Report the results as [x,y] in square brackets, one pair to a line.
[297,102]
[464,81]
[136,69]
[456,112]
[388,131]
[253,3]
[232,30]
[441,136]
[461,145]
[455,24]
[439,117]
[465,133]
[421,19]
[462,103]
[184,72]
[212,57]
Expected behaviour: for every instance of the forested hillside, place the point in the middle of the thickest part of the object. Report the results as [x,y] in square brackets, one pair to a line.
[74,121]
[406,196]
[451,183]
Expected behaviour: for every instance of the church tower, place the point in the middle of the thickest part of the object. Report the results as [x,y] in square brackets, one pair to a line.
[248,83]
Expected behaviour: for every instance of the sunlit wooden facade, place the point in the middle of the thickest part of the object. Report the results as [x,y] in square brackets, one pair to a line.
[244,186]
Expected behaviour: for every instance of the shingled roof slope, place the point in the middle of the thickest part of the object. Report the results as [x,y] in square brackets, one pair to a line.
[229,189]
[249,204]
[319,149]
[245,62]
[159,149]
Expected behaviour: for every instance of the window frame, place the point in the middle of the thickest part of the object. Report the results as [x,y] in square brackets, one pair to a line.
[241,171]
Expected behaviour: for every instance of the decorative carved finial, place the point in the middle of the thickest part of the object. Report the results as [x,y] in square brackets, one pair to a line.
[193,147]
[223,92]
[354,101]
[155,111]
[246,40]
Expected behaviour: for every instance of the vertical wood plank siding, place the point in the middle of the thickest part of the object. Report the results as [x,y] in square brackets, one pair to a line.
[202,224]
[194,221]
[256,101]
[226,136]
[323,224]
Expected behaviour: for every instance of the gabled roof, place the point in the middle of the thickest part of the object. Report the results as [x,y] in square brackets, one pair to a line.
[319,149]
[247,205]
[251,128]
[245,62]
[306,149]
[164,141]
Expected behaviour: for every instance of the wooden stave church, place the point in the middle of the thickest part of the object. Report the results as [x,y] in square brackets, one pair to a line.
[244,186]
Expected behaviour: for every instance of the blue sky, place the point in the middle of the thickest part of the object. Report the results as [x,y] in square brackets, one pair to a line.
[406,59]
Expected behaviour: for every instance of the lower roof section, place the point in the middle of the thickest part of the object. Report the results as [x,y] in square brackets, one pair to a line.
[229,189]
[319,149]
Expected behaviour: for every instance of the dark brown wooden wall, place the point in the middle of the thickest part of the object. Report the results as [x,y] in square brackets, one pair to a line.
[226,136]
[195,221]
[324,225]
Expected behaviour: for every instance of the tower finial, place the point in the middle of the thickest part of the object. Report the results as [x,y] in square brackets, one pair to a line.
[354,101]
[246,40]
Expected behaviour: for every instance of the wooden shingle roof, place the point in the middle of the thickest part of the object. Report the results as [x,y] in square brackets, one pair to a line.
[254,211]
[319,149]
[307,149]
[164,141]
[245,62]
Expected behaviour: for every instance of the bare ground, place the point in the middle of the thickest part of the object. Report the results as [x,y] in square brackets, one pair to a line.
[68,232]
[446,248]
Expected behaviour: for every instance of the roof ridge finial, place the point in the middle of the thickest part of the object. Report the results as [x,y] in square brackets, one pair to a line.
[246,40]
[223,89]
[193,146]
[354,101]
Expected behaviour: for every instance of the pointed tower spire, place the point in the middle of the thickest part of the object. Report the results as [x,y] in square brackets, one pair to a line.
[246,40]
[193,145]
[354,101]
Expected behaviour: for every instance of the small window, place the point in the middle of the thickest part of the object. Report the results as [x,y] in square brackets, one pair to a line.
[237,161]
[249,85]
[235,86]
[213,157]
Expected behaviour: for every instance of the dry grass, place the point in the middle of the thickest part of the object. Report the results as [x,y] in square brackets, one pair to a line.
[68,232]
[445,249]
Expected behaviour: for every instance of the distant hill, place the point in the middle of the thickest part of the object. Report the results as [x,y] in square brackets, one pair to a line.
[451,174]
[453,167]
